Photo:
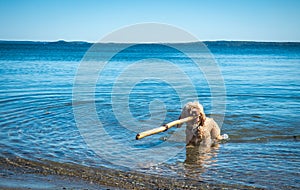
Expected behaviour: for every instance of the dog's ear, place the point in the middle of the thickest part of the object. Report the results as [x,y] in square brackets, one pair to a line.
[202,115]
[202,118]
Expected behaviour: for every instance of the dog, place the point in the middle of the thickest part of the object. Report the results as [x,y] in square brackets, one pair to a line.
[202,131]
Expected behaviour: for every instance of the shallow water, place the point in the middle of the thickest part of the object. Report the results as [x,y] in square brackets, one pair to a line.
[262,115]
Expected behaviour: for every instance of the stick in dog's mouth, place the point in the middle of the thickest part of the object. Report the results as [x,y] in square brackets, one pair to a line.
[164,127]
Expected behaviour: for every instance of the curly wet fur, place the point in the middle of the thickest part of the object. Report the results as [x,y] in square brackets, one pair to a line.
[201,131]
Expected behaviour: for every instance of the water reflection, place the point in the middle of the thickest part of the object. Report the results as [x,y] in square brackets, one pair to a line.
[198,159]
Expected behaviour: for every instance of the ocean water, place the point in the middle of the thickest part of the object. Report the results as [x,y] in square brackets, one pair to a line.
[40,132]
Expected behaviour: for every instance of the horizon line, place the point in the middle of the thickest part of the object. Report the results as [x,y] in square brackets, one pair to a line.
[114,42]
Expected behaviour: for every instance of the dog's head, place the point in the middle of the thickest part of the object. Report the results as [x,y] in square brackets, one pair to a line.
[196,109]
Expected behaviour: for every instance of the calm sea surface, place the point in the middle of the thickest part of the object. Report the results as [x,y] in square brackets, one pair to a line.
[39,135]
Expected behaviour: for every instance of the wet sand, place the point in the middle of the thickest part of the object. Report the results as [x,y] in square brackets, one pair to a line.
[12,180]
[19,173]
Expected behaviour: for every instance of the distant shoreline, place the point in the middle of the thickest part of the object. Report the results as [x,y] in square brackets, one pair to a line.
[218,42]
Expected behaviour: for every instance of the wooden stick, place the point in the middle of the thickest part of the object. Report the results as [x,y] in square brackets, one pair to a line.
[164,127]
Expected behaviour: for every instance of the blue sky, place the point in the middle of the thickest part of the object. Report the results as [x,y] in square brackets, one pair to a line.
[90,20]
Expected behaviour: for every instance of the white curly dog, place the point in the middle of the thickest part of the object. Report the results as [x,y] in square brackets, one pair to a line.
[202,131]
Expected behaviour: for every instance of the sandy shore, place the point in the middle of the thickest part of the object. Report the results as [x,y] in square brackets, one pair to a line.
[20,173]
[11,180]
